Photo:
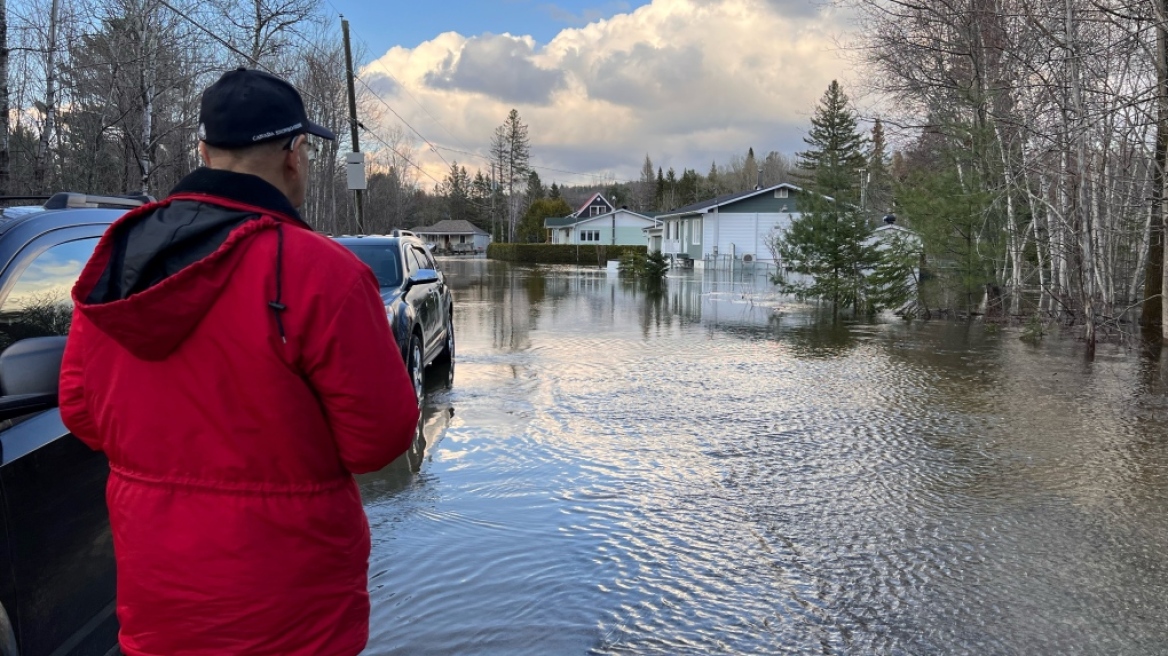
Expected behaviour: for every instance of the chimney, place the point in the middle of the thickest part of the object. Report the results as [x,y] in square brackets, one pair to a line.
[759,185]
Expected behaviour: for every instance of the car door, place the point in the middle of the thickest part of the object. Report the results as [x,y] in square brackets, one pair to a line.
[428,297]
[60,543]
[440,296]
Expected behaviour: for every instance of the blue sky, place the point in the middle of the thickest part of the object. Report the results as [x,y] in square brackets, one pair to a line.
[600,84]
[383,25]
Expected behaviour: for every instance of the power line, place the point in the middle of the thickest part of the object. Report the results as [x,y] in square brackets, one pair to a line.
[597,176]
[259,65]
[434,147]
[398,153]
[255,62]
[399,117]
[400,86]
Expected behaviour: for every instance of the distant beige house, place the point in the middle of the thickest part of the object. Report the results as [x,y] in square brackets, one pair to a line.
[454,236]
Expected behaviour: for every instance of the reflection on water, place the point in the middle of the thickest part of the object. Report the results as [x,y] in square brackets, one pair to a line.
[710,468]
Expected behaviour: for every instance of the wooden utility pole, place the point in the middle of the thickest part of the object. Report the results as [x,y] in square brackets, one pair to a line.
[353,118]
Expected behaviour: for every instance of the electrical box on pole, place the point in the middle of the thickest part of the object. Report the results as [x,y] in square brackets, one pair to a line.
[355,171]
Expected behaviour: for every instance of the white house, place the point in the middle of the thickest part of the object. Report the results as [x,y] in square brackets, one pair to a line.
[459,236]
[598,222]
[735,228]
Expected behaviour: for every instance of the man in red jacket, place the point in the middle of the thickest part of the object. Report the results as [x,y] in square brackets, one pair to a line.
[238,369]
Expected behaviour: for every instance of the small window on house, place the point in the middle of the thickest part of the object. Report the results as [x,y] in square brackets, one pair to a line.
[781,193]
[462,239]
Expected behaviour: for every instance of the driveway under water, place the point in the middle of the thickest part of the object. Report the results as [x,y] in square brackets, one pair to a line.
[715,470]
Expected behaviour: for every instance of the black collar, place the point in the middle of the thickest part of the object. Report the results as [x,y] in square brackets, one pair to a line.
[239,187]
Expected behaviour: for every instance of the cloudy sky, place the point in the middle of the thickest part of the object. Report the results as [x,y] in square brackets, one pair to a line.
[601,83]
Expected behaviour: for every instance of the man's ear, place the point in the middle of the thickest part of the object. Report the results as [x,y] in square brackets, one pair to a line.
[292,161]
[204,154]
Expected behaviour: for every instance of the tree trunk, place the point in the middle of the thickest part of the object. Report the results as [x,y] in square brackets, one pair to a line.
[1082,210]
[41,163]
[1155,309]
[5,158]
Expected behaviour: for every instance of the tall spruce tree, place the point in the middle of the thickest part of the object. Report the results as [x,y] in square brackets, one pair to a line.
[829,245]
[646,187]
[749,171]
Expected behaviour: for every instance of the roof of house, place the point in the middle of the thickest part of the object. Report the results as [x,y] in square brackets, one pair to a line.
[589,203]
[451,227]
[559,221]
[572,219]
[705,205]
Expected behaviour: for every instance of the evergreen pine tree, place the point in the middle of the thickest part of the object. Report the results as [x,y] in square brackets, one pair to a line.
[712,181]
[659,191]
[830,243]
[749,171]
[535,190]
[835,158]
[646,186]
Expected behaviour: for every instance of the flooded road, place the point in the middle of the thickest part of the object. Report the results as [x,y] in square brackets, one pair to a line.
[713,470]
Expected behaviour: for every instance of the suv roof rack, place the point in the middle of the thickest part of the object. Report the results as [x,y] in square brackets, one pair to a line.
[402,233]
[69,200]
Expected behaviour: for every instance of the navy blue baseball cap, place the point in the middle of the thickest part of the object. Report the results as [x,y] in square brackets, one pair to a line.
[247,107]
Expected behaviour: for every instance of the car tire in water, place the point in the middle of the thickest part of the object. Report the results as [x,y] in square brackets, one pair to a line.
[445,360]
[415,368]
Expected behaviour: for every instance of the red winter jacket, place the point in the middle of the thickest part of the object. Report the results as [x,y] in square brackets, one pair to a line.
[237,369]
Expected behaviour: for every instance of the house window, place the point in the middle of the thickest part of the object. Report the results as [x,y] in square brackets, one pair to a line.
[781,193]
[462,239]
[597,210]
[697,232]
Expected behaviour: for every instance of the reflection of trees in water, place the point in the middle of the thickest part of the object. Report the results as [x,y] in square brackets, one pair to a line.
[37,315]
[536,284]
[651,295]
[821,336]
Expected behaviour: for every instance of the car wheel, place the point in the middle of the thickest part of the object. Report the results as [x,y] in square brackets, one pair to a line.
[416,369]
[445,359]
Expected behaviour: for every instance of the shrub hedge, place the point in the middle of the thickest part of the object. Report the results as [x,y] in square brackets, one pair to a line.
[584,254]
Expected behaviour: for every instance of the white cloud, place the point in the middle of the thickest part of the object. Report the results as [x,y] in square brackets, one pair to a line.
[687,81]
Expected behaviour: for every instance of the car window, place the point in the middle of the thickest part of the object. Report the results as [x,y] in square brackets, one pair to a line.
[426,258]
[39,302]
[415,262]
[384,259]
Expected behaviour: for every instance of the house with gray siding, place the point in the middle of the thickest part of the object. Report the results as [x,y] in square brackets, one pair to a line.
[455,236]
[598,222]
[735,228]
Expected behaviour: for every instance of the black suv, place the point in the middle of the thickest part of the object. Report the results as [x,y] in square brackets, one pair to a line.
[57,575]
[417,300]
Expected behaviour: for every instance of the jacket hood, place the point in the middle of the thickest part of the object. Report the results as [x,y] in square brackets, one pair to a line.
[159,269]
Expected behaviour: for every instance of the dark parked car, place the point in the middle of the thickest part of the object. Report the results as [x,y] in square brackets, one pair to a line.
[417,300]
[57,589]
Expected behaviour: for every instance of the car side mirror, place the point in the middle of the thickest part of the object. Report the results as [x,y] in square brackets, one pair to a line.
[422,277]
[30,372]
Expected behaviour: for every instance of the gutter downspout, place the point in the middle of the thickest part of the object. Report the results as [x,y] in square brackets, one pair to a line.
[717,232]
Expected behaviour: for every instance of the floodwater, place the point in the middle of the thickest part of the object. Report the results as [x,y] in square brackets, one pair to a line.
[716,470]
